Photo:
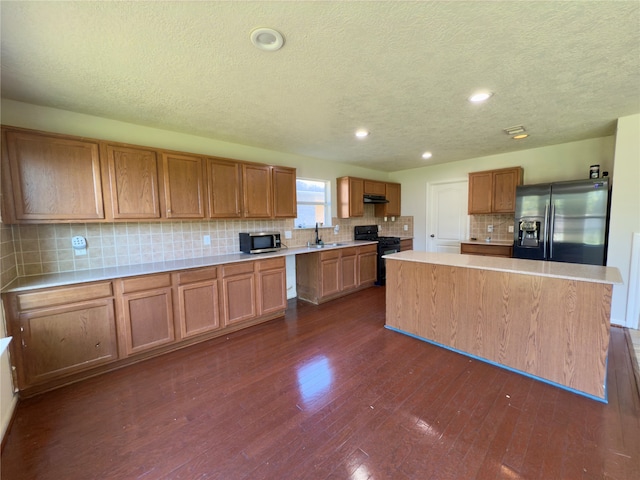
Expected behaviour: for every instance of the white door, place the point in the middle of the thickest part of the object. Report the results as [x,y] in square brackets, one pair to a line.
[447,218]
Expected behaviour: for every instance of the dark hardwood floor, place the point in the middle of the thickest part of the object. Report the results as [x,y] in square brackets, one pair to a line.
[327,393]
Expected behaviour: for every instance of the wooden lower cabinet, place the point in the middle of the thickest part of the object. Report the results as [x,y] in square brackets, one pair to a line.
[406,244]
[272,285]
[329,274]
[59,332]
[65,334]
[147,312]
[198,301]
[367,265]
[239,293]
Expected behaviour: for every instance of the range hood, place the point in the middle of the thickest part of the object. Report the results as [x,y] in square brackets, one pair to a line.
[368,198]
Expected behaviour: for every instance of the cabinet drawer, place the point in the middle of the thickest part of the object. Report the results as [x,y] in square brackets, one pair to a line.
[199,275]
[237,268]
[148,282]
[368,249]
[60,296]
[329,254]
[271,263]
[491,250]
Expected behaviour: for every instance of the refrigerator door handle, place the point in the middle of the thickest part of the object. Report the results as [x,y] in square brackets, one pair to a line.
[545,239]
[551,229]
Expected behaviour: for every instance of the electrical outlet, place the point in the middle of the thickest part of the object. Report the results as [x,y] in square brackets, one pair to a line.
[287,234]
[510,228]
[78,242]
[490,228]
[405,228]
[206,240]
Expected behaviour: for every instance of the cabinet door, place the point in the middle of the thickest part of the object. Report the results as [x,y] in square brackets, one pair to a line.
[257,191]
[374,188]
[183,186]
[329,276]
[132,182]
[148,319]
[350,197]
[54,179]
[199,309]
[349,269]
[239,299]
[272,286]
[367,265]
[504,189]
[480,192]
[224,179]
[284,193]
[392,193]
[62,340]
[406,244]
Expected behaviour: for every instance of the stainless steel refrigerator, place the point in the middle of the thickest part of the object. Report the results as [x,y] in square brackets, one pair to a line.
[563,221]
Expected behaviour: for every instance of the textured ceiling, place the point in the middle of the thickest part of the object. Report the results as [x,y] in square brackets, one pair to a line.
[403,70]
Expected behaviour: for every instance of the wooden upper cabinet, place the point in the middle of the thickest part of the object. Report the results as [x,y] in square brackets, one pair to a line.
[494,191]
[52,178]
[184,195]
[132,188]
[374,188]
[257,191]
[224,179]
[350,197]
[480,192]
[504,189]
[284,193]
[392,193]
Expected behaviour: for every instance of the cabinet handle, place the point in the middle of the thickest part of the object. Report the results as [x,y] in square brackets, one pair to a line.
[98,345]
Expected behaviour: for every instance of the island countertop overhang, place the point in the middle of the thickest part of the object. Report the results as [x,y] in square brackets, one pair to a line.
[567,271]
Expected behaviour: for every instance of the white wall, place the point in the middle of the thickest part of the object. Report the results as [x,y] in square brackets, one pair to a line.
[567,161]
[625,214]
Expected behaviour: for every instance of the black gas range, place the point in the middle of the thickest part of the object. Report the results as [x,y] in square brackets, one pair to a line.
[386,245]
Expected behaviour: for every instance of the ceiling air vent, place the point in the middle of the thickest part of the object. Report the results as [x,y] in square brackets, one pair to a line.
[514,130]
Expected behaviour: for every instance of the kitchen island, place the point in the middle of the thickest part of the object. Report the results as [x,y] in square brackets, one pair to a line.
[547,320]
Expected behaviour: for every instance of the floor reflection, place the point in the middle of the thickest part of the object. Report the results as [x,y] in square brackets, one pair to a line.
[314,379]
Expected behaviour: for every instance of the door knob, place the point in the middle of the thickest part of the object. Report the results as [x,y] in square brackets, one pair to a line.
[432,235]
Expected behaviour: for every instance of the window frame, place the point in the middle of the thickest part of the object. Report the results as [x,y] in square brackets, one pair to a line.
[326,204]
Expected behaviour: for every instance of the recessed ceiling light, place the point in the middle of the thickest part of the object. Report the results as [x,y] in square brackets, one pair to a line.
[521,136]
[362,133]
[480,97]
[427,155]
[267,39]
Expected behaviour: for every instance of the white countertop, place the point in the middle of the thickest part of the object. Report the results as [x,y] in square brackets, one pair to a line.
[48,280]
[569,271]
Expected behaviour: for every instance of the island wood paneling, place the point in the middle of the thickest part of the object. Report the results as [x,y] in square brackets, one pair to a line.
[552,328]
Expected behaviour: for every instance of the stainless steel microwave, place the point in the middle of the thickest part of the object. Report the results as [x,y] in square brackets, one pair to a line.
[260,242]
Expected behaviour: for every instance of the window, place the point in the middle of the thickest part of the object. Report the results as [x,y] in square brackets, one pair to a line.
[314,203]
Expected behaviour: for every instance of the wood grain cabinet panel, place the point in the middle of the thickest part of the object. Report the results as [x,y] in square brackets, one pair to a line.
[224,179]
[284,193]
[52,179]
[133,182]
[147,312]
[494,191]
[323,276]
[59,341]
[372,187]
[367,265]
[184,193]
[392,193]
[272,286]
[486,250]
[198,301]
[239,298]
[350,197]
[257,191]
[406,244]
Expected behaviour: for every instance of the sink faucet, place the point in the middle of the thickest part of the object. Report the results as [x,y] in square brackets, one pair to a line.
[318,239]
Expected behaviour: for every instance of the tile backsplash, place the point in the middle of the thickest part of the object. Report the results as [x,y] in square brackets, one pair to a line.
[37,249]
[500,222]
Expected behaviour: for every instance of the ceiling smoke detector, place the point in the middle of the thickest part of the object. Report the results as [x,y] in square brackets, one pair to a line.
[514,130]
[267,39]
